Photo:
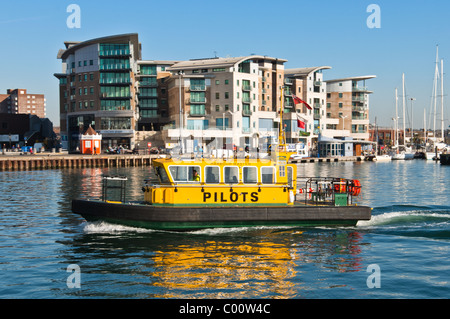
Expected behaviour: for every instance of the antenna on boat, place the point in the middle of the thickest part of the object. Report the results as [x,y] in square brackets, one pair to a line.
[281,137]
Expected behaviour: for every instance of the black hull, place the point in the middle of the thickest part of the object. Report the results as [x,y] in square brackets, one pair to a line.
[444,159]
[189,218]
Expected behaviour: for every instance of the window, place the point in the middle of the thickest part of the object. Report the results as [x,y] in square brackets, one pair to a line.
[217,108]
[231,174]
[267,175]
[184,173]
[217,82]
[250,175]
[212,174]
[162,175]
[282,171]
[217,95]
[340,105]
[227,95]
[340,95]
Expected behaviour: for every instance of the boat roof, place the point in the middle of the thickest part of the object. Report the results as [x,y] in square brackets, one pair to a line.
[212,161]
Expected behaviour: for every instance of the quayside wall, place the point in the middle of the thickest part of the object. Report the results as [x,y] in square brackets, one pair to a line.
[31,162]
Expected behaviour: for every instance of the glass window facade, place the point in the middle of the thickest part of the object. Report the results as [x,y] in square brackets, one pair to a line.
[115,91]
[114,105]
[114,49]
[148,69]
[114,78]
[115,123]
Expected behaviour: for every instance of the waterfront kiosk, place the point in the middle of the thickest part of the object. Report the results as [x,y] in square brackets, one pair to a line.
[90,142]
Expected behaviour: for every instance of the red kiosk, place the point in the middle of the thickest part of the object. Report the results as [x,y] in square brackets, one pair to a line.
[91,142]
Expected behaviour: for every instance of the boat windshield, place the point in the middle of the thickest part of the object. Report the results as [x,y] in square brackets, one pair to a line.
[185,173]
[162,175]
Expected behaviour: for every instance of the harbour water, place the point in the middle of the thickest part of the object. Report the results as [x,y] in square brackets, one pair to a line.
[401,253]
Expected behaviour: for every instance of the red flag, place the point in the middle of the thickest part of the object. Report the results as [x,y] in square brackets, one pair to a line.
[299,100]
[300,124]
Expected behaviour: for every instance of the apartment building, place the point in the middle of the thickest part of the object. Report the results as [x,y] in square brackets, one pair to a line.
[309,86]
[152,94]
[19,101]
[224,101]
[98,88]
[347,109]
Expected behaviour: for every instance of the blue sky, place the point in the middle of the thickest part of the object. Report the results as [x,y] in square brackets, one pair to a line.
[306,33]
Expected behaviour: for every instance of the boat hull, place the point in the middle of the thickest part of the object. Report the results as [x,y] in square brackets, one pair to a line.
[444,159]
[192,218]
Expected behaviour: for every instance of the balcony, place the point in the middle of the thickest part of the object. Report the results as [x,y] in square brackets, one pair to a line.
[317,83]
[111,53]
[246,99]
[359,108]
[196,100]
[115,66]
[288,81]
[197,87]
[117,81]
[359,89]
[246,87]
[195,113]
[146,82]
[359,99]
[246,112]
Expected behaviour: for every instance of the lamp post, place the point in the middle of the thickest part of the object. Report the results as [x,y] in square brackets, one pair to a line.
[343,121]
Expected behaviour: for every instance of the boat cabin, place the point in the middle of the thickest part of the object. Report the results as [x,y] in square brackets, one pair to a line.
[222,182]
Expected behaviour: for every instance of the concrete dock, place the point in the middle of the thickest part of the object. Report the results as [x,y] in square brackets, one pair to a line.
[54,161]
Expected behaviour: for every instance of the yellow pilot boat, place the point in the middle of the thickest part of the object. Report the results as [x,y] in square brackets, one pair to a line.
[194,194]
[208,193]
[221,183]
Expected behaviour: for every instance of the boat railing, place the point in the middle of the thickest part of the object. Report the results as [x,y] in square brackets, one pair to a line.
[114,188]
[328,191]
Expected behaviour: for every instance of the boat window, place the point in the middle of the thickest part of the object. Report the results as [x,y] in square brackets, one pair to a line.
[250,175]
[231,174]
[267,175]
[282,171]
[162,174]
[184,173]
[212,174]
[290,172]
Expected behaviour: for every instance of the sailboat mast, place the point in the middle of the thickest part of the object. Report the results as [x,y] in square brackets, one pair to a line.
[425,127]
[436,74]
[396,119]
[442,100]
[404,107]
